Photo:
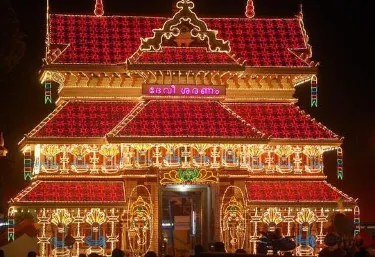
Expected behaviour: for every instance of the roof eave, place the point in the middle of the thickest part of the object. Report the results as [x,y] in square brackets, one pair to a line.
[182,66]
[282,70]
[168,139]
[62,140]
[322,141]
[37,204]
[332,204]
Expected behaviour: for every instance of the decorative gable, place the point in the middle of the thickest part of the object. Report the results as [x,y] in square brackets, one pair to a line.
[184,29]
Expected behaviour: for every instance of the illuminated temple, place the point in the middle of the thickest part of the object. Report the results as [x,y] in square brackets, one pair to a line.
[174,131]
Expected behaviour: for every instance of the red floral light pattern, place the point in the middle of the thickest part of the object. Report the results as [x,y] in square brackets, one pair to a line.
[187,119]
[281,121]
[85,119]
[185,55]
[262,42]
[113,39]
[101,40]
[77,192]
[293,191]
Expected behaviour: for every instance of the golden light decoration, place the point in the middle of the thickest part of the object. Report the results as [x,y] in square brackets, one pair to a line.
[109,150]
[201,148]
[272,216]
[95,216]
[284,150]
[50,151]
[189,176]
[233,219]
[255,150]
[313,150]
[142,147]
[79,151]
[61,216]
[140,221]
[305,216]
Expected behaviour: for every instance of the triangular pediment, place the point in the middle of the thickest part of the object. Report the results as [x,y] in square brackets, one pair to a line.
[185,29]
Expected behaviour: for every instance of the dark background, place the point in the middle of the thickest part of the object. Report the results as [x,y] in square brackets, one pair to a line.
[339,33]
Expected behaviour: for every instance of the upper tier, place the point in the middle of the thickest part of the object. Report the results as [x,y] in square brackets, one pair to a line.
[112,40]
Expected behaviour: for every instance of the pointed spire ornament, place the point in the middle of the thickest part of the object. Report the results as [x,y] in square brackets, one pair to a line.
[300,14]
[1,139]
[250,10]
[99,8]
[3,150]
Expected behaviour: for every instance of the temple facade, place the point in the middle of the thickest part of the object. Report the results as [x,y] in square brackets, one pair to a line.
[174,131]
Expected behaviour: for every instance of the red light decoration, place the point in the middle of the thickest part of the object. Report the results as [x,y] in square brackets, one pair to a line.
[250,11]
[84,119]
[282,121]
[187,119]
[100,40]
[99,8]
[314,91]
[73,192]
[340,164]
[294,191]
[258,42]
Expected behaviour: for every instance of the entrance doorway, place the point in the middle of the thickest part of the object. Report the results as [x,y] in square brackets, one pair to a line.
[185,219]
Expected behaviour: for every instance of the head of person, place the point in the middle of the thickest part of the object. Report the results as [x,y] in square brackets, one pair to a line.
[151,254]
[278,232]
[2,253]
[31,254]
[219,247]
[198,249]
[240,251]
[94,255]
[117,253]
[331,239]
[82,255]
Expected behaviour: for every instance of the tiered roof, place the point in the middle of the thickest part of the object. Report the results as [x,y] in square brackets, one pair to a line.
[294,191]
[82,119]
[187,119]
[282,121]
[110,40]
[180,119]
[72,192]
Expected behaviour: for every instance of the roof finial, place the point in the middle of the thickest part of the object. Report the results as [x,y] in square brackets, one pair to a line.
[47,31]
[250,12]
[99,8]
[300,14]
[3,150]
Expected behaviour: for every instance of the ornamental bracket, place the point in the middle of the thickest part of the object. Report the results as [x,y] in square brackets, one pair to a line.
[175,26]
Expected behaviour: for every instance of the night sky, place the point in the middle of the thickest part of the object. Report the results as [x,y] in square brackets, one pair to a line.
[339,33]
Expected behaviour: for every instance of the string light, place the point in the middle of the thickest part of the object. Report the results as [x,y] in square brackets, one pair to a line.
[27,164]
[314,91]
[340,164]
[47,92]
[357,220]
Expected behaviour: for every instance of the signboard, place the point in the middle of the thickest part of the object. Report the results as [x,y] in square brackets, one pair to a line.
[184,90]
